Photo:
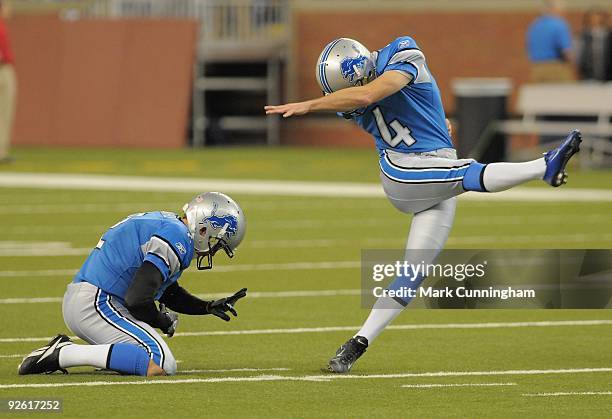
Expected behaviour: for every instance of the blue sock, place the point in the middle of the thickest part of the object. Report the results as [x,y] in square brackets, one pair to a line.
[128,359]
[474,178]
[404,283]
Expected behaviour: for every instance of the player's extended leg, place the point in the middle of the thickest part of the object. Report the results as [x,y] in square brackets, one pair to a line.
[117,340]
[429,230]
[423,185]
[496,177]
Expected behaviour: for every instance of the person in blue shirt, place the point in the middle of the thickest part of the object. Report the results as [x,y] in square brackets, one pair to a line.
[110,303]
[392,94]
[549,45]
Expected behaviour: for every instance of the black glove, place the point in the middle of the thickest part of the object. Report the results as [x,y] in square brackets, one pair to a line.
[219,307]
[169,319]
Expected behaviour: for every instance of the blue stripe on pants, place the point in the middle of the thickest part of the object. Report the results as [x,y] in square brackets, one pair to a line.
[132,329]
[422,175]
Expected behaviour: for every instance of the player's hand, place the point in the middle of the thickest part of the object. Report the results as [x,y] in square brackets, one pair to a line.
[449,127]
[220,307]
[172,320]
[289,109]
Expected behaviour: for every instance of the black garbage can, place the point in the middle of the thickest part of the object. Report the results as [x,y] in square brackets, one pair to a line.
[479,101]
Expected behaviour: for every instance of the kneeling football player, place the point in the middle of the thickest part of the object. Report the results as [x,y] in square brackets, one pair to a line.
[110,303]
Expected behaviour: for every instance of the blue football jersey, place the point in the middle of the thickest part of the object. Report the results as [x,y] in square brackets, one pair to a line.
[157,237]
[411,120]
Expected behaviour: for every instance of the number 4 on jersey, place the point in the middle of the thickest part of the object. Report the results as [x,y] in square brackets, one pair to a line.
[402,133]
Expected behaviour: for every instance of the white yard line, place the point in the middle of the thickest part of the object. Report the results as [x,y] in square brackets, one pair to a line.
[14,248]
[32,300]
[13,356]
[141,183]
[270,187]
[38,273]
[491,325]
[78,208]
[314,378]
[570,393]
[74,230]
[307,223]
[41,249]
[254,294]
[328,329]
[463,219]
[291,266]
[38,252]
[458,385]
[528,239]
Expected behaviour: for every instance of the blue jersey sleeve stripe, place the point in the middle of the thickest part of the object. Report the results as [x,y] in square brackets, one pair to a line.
[404,66]
[407,49]
[159,264]
[165,262]
[416,73]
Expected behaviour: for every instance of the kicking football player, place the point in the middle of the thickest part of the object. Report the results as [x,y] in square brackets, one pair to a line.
[110,303]
[392,94]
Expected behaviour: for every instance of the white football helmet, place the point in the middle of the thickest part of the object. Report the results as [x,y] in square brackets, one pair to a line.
[344,63]
[216,222]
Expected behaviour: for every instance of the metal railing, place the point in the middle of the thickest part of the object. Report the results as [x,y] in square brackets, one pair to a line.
[230,30]
[221,20]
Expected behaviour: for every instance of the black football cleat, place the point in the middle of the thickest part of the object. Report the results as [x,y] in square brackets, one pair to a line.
[45,360]
[347,355]
[557,159]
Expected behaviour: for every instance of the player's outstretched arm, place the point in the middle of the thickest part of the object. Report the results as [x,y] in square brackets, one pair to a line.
[348,99]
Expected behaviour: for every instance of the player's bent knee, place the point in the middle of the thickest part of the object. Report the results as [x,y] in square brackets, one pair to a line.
[128,359]
[473,180]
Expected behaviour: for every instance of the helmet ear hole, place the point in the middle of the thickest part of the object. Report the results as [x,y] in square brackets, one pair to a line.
[203,231]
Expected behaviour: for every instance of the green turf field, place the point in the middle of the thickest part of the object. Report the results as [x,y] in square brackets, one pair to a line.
[300,261]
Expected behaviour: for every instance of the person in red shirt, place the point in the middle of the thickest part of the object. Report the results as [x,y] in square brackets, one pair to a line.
[8,86]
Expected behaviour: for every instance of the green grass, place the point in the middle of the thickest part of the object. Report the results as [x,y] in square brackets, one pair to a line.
[281,230]
[280,163]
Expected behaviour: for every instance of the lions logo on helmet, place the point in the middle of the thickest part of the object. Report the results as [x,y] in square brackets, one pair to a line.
[344,63]
[351,67]
[227,222]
